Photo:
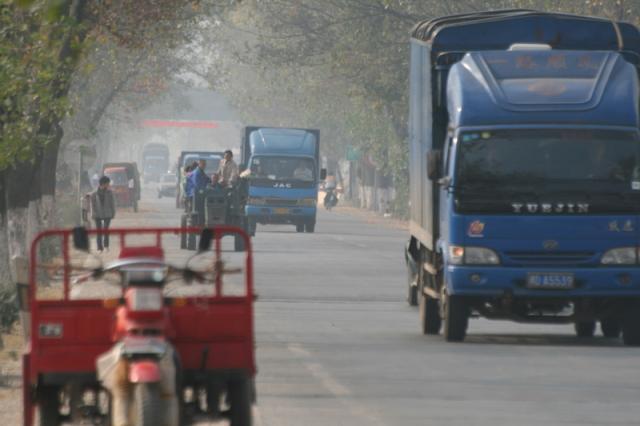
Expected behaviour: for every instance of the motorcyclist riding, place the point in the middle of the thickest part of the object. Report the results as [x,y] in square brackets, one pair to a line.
[330,199]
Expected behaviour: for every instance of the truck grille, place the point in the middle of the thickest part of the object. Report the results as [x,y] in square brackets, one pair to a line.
[546,258]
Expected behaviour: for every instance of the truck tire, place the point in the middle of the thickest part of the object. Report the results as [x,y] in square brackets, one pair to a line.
[310,227]
[631,326]
[456,318]
[191,241]
[252,226]
[183,235]
[48,412]
[240,400]
[299,227]
[430,320]
[148,405]
[412,290]
[585,328]
[610,328]
[238,243]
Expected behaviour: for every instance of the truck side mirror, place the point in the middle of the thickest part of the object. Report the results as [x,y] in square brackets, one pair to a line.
[434,164]
[80,238]
[323,174]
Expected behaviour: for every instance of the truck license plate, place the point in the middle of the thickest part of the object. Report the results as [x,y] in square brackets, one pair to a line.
[281,211]
[555,280]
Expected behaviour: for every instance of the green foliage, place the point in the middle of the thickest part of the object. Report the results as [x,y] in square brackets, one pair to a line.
[31,78]
[41,42]
[343,66]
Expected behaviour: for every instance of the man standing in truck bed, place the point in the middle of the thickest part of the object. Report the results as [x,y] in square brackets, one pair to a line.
[228,170]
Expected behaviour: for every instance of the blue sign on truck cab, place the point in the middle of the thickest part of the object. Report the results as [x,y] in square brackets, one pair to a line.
[525,175]
[284,174]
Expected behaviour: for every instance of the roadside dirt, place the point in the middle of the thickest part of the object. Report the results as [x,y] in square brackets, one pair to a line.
[366,216]
[11,378]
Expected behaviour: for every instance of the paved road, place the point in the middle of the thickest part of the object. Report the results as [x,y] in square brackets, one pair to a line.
[337,344]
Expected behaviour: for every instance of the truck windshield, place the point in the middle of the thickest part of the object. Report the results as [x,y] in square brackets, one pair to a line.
[118,178]
[544,158]
[155,164]
[213,162]
[283,168]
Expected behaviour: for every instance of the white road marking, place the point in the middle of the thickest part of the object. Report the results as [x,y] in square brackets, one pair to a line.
[341,392]
[298,350]
[329,383]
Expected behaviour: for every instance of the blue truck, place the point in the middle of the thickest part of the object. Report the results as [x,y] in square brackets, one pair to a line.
[525,172]
[284,167]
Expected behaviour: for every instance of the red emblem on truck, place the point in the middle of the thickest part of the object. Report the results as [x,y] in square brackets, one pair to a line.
[476,229]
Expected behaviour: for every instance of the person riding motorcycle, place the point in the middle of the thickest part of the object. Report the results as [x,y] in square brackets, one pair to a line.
[330,199]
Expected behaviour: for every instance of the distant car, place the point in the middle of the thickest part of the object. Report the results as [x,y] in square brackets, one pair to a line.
[167,186]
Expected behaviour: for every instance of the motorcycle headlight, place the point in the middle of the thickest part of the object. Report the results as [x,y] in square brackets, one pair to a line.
[308,202]
[472,256]
[144,299]
[620,256]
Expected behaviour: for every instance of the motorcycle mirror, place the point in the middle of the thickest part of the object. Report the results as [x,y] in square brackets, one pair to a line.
[205,240]
[81,238]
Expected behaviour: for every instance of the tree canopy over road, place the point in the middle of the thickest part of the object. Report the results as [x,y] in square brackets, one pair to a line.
[339,65]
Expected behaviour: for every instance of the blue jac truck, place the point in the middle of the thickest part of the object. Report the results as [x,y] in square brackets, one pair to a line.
[285,170]
[525,172]
[155,161]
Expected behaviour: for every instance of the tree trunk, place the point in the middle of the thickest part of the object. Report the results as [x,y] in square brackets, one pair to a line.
[17,184]
[5,272]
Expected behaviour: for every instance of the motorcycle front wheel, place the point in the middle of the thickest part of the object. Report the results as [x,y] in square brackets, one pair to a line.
[148,406]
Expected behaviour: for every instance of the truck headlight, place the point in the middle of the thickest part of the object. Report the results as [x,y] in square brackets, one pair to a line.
[256,201]
[456,255]
[308,202]
[620,256]
[472,256]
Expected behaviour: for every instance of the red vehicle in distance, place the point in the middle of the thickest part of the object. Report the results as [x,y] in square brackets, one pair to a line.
[125,183]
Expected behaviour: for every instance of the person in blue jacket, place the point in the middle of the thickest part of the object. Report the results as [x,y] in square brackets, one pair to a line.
[199,182]
[199,178]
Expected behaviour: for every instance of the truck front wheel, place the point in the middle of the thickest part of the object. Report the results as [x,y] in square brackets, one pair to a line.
[310,227]
[430,320]
[183,234]
[412,290]
[631,326]
[456,318]
[585,328]
[252,225]
[238,243]
[610,328]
